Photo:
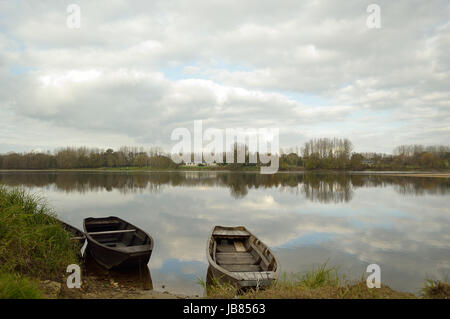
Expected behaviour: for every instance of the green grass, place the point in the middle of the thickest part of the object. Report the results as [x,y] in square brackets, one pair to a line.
[321,282]
[32,241]
[320,276]
[13,286]
[434,289]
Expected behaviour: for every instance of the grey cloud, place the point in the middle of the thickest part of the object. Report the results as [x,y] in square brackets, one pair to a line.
[254,51]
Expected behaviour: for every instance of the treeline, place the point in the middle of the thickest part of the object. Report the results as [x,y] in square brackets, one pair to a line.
[325,153]
[83,157]
[322,153]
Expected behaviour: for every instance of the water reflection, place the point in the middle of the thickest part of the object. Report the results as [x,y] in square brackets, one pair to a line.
[137,276]
[322,188]
[400,223]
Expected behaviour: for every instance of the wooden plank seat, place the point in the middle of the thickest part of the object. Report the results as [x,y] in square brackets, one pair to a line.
[104,222]
[113,244]
[135,249]
[239,246]
[238,258]
[260,275]
[226,248]
[112,232]
[242,268]
[230,233]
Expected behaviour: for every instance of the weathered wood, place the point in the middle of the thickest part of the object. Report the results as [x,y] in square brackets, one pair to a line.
[233,261]
[239,246]
[112,232]
[272,264]
[235,258]
[225,248]
[214,250]
[75,233]
[224,232]
[105,222]
[110,250]
[242,268]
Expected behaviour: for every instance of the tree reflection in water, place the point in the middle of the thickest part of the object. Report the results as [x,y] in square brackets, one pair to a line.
[317,187]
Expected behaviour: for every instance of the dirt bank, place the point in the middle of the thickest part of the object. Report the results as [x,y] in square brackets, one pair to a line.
[439,175]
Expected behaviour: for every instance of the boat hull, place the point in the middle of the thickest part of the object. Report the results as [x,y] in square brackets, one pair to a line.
[111,259]
[75,232]
[113,242]
[238,257]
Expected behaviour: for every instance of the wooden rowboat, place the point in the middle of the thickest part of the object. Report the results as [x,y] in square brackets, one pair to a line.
[75,233]
[237,256]
[113,242]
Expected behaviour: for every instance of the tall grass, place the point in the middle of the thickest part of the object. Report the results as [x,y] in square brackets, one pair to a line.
[32,241]
[13,286]
[320,276]
[435,289]
[215,287]
[322,281]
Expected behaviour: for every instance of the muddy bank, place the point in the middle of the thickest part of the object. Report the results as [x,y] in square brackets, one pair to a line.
[100,283]
[437,175]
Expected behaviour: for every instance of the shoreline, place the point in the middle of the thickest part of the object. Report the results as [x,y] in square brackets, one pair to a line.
[435,174]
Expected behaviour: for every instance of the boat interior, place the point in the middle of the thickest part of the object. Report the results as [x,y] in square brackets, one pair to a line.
[236,250]
[115,233]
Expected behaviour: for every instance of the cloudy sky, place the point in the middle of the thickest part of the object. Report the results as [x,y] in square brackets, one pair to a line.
[135,70]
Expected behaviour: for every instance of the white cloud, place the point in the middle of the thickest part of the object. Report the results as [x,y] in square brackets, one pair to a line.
[138,71]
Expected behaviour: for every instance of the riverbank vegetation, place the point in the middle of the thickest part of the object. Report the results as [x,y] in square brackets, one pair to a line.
[322,282]
[316,154]
[33,244]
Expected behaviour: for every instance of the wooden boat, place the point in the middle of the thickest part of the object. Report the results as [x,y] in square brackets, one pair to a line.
[75,233]
[237,256]
[114,242]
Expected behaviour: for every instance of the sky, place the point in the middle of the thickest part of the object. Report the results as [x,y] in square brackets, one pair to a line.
[136,70]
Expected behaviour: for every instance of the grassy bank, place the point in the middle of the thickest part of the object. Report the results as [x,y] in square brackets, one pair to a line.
[322,282]
[33,244]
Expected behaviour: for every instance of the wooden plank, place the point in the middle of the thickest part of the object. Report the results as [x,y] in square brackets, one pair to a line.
[225,248]
[226,232]
[135,249]
[103,222]
[239,246]
[239,275]
[214,250]
[238,259]
[242,268]
[110,232]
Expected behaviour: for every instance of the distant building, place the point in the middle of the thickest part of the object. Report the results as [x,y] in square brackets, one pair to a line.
[193,163]
[368,162]
[198,163]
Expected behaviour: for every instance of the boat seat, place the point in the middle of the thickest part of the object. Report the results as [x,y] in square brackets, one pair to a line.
[112,232]
[114,244]
[230,233]
[238,258]
[103,222]
[256,276]
[135,249]
[242,268]
[226,248]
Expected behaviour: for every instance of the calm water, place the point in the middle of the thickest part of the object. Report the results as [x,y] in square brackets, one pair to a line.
[400,223]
